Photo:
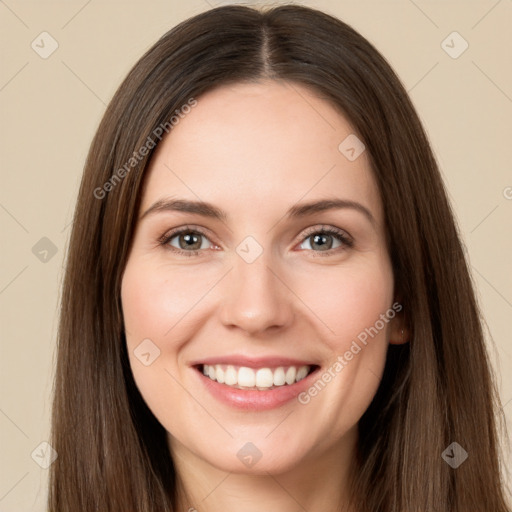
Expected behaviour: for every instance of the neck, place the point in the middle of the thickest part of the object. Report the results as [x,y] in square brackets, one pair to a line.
[318,482]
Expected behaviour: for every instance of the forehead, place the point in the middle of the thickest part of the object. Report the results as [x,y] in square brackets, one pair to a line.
[268,143]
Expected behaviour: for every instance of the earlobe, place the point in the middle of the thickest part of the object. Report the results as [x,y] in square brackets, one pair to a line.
[404,336]
[401,338]
[399,334]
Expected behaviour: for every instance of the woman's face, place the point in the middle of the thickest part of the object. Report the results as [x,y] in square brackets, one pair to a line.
[253,292]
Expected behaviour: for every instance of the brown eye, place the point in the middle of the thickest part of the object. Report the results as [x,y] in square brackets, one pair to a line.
[188,240]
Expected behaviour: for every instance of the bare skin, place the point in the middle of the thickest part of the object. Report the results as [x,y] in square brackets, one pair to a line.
[254,151]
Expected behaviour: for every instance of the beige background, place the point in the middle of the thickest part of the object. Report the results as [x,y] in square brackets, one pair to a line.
[51,107]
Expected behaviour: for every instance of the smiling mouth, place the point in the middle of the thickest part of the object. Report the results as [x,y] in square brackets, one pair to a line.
[262,379]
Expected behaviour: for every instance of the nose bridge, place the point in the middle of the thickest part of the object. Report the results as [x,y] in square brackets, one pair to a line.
[255,298]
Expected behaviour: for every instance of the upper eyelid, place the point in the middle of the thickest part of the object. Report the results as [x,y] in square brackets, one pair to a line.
[324,227]
[171,233]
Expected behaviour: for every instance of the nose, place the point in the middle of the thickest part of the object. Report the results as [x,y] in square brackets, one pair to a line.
[255,298]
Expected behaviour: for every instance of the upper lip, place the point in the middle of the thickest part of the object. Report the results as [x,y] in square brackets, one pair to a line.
[253,362]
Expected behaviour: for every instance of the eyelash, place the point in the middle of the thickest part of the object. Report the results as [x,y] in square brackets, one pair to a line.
[324,230]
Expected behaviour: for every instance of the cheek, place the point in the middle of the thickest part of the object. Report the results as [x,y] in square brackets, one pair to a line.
[155,299]
[155,303]
[349,300]
[161,304]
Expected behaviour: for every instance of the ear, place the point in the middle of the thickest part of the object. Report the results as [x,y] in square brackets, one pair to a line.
[398,329]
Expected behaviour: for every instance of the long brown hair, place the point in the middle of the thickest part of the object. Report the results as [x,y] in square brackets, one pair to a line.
[437,389]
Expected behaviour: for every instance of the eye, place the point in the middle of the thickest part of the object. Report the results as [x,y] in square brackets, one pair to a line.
[191,241]
[186,241]
[322,238]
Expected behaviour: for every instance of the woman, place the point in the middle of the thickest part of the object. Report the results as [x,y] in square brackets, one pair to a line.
[209,356]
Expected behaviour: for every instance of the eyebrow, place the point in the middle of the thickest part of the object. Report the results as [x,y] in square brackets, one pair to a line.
[297,211]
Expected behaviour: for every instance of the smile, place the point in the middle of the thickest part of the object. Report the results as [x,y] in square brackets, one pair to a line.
[262,379]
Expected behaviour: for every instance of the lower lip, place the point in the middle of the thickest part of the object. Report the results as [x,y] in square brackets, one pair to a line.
[255,400]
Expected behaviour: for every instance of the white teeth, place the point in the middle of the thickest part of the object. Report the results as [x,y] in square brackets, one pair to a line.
[262,378]
[301,373]
[290,375]
[246,377]
[231,376]
[279,377]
